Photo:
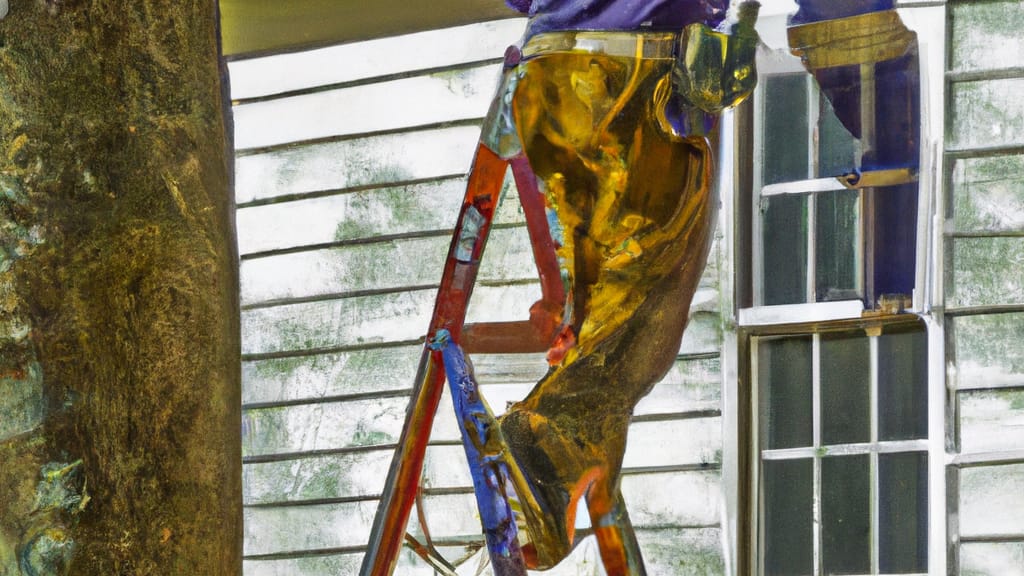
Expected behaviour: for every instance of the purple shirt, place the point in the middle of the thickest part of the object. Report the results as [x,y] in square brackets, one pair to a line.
[818,10]
[630,15]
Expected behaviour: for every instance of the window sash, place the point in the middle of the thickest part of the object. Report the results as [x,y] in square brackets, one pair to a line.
[810,188]
[817,452]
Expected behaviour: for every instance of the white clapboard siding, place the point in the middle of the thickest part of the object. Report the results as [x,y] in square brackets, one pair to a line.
[434,98]
[312,377]
[380,265]
[350,171]
[989,350]
[367,161]
[313,427]
[986,113]
[991,420]
[346,63]
[991,501]
[987,271]
[992,559]
[985,283]
[322,477]
[988,194]
[360,215]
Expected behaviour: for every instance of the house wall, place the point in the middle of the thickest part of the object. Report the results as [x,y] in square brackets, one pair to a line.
[349,177]
[984,286]
[351,163]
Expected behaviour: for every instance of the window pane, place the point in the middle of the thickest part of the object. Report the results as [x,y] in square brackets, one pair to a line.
[903,385]
[845,388]
[903,513]
[837,148]
[846,514]
[784,380]
[785,128]
[788,490]
[785,250]
[894,228]
[837,237]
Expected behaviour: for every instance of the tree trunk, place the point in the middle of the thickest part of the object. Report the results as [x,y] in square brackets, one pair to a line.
[119,346]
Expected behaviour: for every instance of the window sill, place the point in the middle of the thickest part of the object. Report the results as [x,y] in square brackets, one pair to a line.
[800,313]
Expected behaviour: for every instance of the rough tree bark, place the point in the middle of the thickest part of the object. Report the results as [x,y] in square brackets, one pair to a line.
[119,372]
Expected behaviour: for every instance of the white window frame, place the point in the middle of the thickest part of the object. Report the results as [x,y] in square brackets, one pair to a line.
[928,19]
[811,186]
[817,451]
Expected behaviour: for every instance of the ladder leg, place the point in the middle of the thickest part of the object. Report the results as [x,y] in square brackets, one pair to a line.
[620,551]
[471,231]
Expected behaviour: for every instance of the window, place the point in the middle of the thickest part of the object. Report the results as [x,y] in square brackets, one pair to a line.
[835,209]
[810,241]
[842,475]
[841,437]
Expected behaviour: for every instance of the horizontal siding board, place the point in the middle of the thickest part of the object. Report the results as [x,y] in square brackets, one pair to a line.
[367,161]
[986,113]
[291,529]
[682,441]
[673,499]
[703,333]
[666,399]
[374,319]
[449,515]
[991,501]
[977,27]
[673,551]
[674,442]
[691,385]
[987,271]
[357,215]
[502,303]
[444,96]
[341,322]
[988,194]
[711,275]
[361,215]
[359,474]
[682,551]
[992,559]
[384,265]
[650,498]
[445,467]
[583,561]
[328,375]
[989,350]
[255,77]
[333,564]
[509,368]
[324,426]
[991,421]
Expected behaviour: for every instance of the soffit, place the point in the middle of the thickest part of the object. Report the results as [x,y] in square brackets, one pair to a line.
[251,27]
